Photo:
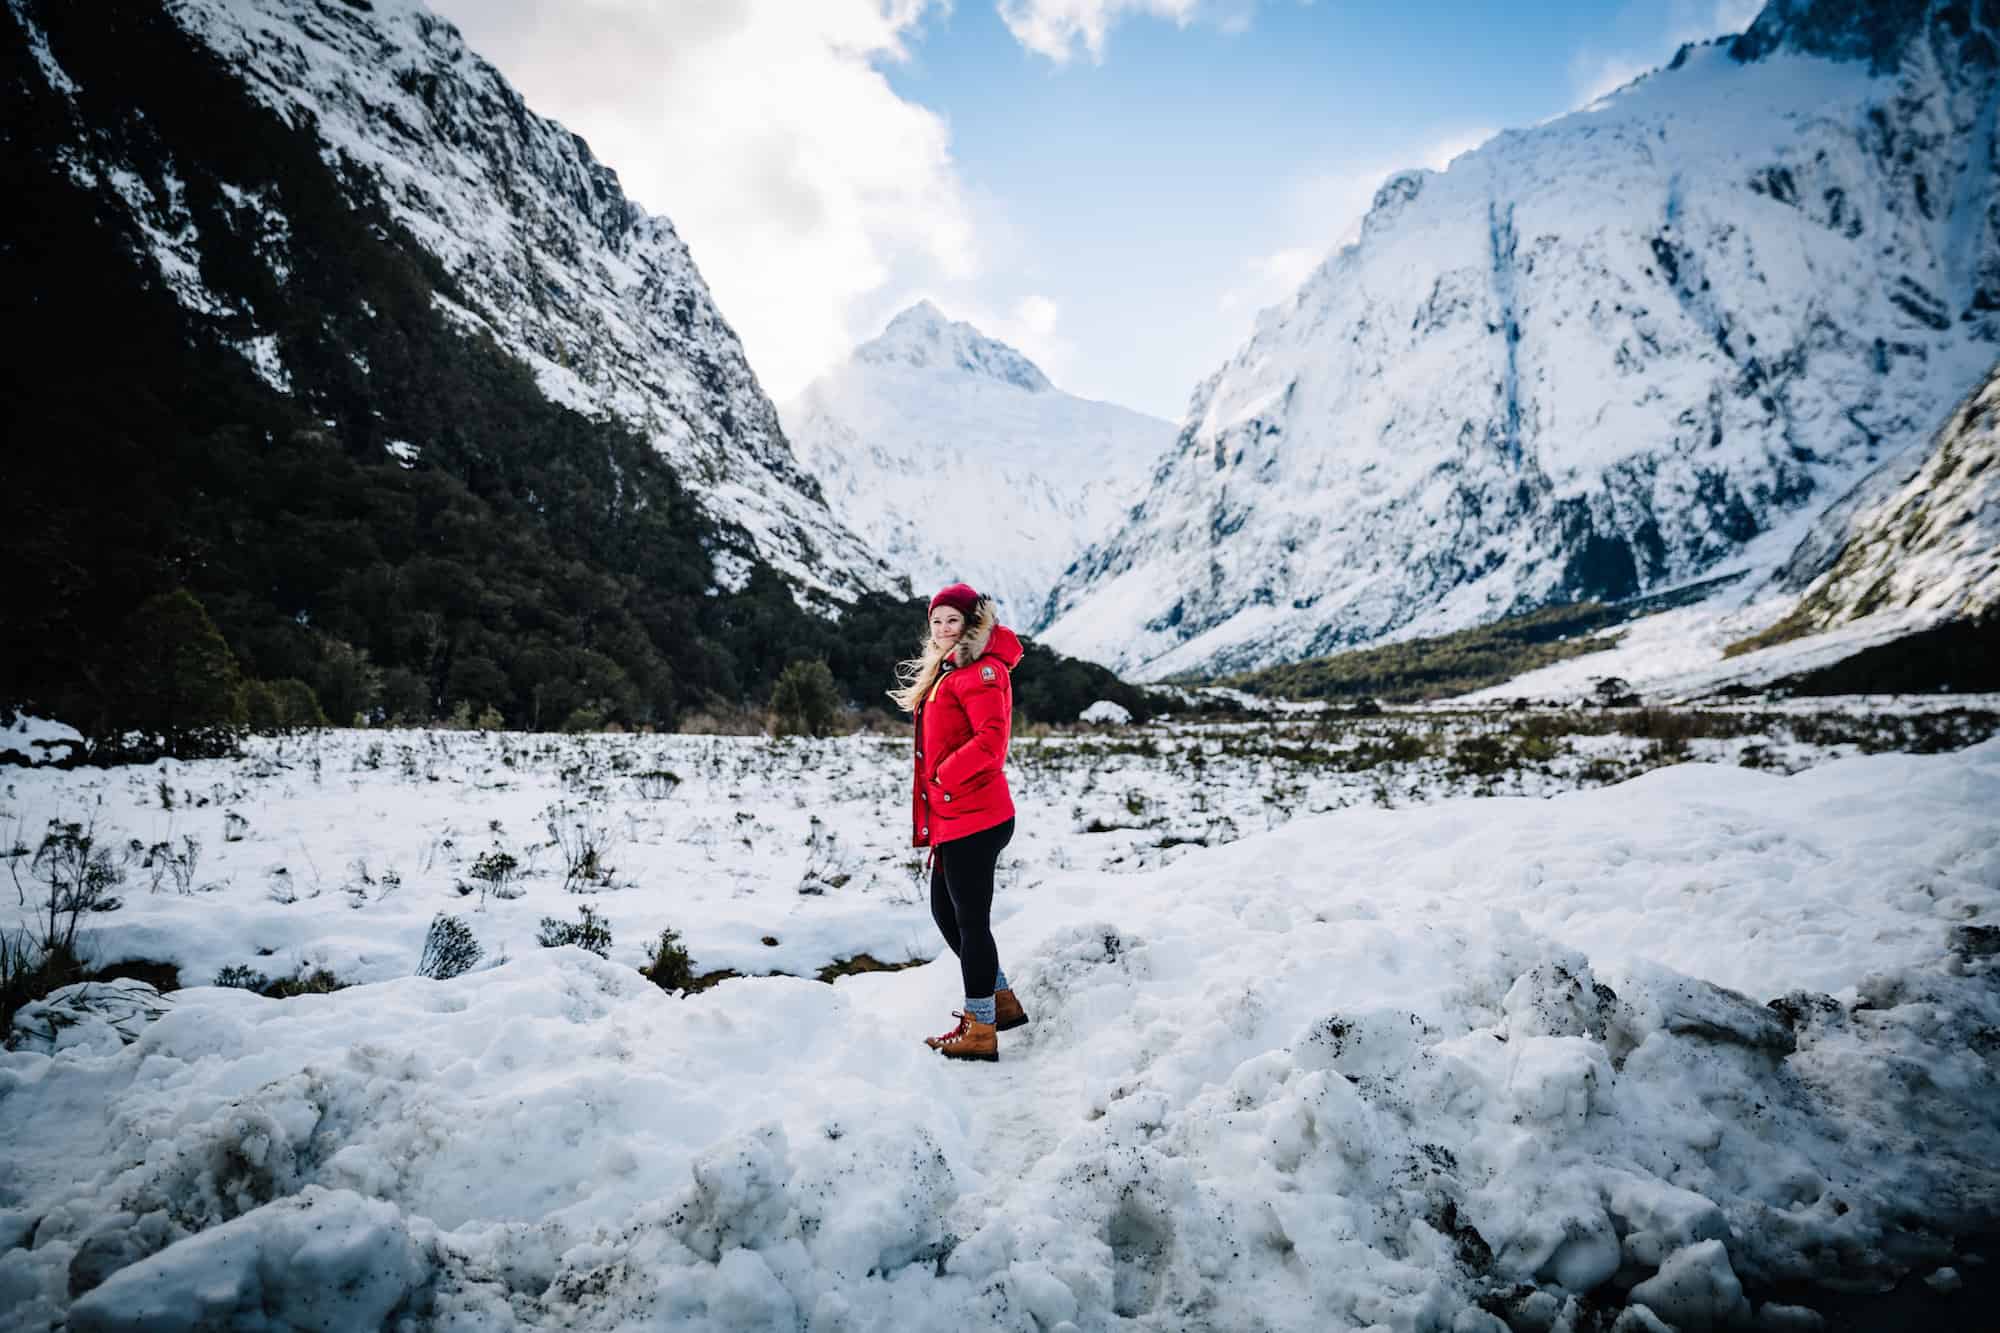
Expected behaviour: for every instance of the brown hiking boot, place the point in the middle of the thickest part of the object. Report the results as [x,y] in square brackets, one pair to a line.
[972,1040]
[943,1037]
[1007,1011]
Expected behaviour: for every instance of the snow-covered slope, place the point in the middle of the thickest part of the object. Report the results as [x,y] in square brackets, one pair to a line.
[954,455]
[1637,344]
[1914,544]
[1932,543]
[533,236]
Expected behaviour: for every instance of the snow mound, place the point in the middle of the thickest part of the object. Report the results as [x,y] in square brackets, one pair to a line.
[319,1261]
[37,740]
[1106,710]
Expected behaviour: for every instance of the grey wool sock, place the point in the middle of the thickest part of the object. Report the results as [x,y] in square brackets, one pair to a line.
[980,1009]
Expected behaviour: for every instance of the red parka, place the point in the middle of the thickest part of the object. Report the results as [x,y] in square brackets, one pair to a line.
[962,730]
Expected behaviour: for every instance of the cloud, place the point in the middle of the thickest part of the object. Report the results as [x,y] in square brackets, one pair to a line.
[1596,73]
[1268,279]
[1055,27]
[1036,315]
[1323,211]
[1600,76]
[1033,328]
[767,131]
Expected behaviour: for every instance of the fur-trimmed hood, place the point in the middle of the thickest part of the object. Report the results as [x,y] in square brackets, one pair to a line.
[985,634]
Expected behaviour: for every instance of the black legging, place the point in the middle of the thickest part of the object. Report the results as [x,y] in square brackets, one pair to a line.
[962,904]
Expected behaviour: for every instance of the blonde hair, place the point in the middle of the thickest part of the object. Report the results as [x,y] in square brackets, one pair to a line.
[919,673]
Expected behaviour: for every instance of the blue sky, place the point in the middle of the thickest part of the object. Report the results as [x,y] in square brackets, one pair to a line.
[1118,208]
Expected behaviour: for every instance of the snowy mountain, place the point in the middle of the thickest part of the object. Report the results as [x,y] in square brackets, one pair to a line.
[956,457]
[535,243]
[1931,543]
[1642,343]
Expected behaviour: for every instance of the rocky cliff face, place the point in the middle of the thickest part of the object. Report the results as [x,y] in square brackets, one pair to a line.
[534,242]
[1929,544]
[1639,345]
[956,458]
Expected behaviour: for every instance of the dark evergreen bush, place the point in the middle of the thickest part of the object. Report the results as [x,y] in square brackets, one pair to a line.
[671,968]
[179,685]
[804,702]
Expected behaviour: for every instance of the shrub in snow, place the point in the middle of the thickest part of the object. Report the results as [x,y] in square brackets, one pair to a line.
[805,700]
[583,842]
[318,981]
[1614,692]
[1106,711]
[241,976]
[826,867]
[495,871]
[164,862]
[77,875]
[671,968]
[589,931]
[449,949]
[658,784]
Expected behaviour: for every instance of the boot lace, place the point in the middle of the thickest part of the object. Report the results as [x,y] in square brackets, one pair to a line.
[956,1032]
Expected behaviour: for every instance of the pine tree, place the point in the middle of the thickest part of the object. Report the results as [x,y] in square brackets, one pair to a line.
[805,699]
[180,685]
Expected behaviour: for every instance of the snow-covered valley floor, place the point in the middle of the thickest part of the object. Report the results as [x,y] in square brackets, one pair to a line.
[1323,1037]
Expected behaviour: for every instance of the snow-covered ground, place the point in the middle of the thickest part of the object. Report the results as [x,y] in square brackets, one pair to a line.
[1681,654]
[1369,1067]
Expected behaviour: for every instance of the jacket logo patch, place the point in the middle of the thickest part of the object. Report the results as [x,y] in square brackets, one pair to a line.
[986,673]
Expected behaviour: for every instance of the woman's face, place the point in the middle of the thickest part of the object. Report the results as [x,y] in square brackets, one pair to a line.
[947,623]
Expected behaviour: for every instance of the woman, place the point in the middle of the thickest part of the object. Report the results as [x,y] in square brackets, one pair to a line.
[962,693]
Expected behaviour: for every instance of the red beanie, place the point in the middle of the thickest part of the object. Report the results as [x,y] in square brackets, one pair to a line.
[959,596]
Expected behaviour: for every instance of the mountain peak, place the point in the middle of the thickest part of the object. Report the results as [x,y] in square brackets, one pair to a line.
[925,338]
[1873,30]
